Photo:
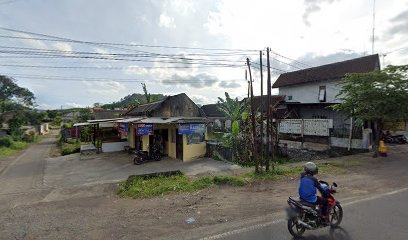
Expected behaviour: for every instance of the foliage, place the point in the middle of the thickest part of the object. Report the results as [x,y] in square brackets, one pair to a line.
[132,100]
[232,108]
[52,114]
[32,117]
[57,121]
[69,148]
[376,96]
[85,115]
[8,146]
[6,141]
[11,92]
[15,125]
[144,188]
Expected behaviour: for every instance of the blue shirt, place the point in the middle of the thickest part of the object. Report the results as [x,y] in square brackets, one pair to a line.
[307,188]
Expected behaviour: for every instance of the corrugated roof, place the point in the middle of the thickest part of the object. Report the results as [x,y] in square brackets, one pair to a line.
[329,72]
[128,120]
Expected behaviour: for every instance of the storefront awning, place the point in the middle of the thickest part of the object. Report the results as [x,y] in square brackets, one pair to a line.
[104,120]
[129,120]
[84,124]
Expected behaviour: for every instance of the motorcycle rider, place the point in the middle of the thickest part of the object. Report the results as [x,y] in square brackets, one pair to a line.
[307,188]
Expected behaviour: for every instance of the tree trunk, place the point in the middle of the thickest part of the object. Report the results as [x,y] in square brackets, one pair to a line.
[377,129]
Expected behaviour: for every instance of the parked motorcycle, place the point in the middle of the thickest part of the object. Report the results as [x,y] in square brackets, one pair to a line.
[398,139]
[144,156]
[304,216]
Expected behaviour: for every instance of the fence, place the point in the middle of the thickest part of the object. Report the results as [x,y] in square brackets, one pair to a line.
[214,149]
[311,127]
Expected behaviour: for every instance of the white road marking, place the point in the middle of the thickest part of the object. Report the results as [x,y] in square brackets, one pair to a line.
[262,225]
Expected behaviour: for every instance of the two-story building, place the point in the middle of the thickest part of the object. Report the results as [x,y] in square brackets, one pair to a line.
[310,93]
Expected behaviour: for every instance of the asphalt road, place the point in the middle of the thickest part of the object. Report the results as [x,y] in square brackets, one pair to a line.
[385,217]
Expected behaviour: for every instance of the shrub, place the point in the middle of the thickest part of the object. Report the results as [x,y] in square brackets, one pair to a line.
[70,148]
[6,141]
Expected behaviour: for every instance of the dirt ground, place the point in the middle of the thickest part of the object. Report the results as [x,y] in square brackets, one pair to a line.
[95,212]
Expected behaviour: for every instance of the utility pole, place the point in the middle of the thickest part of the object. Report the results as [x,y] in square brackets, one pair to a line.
[254,150]
[269,115]
[373,39]
[246,79]
[262,108]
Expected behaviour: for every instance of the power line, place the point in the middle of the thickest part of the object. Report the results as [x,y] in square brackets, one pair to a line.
[94,79]
[122,44]
[113,68]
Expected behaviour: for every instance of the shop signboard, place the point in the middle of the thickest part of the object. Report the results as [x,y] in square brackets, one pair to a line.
[144,129]
[123,127]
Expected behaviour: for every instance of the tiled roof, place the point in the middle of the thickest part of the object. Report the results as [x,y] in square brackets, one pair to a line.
[329,72]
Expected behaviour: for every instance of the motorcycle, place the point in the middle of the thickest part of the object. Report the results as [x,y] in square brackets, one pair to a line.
[144,156]
[304,216]
[398,139]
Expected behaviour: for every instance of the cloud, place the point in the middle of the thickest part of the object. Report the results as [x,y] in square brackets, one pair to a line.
[61,46]
[106,88]
[226,84]
[400,24]
[214,23]
[199,99]
[73,105]
[313,59]
[137,70]
[311,7]
[196,81]
[166,21]
[31,42]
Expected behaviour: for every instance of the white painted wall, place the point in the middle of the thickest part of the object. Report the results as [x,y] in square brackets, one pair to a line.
[309,92]
[114,146]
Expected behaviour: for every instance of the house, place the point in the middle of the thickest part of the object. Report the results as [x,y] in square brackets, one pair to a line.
[175,121]
[217,120]
[310,92]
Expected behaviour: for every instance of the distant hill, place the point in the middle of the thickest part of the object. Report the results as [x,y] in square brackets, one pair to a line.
[132,100]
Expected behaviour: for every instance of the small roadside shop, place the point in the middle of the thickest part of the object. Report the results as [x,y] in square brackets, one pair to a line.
[180,138]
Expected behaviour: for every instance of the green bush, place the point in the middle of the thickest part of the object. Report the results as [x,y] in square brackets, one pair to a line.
[18,145]
[6,141]
[70,148]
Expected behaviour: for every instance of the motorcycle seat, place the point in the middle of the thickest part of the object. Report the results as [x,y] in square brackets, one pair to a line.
[304,203]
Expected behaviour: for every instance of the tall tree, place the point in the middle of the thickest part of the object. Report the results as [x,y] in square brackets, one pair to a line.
[378,97]
[11,92]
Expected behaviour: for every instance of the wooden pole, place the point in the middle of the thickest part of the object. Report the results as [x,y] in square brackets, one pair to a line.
[351,134]
[262,108]
[268,120]
[254,145]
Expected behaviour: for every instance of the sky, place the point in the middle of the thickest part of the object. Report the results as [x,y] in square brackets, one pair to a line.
[74,53]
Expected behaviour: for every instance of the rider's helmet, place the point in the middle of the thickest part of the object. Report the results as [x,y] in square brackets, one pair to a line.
[311,168]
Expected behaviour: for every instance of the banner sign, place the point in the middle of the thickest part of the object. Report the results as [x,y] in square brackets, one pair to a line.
[123,127]
[191,128]
[144,129]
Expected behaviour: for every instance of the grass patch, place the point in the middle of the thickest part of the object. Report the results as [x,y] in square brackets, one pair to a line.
[229,180]
[283,172]
[13,147]
[142,187]
[70,148]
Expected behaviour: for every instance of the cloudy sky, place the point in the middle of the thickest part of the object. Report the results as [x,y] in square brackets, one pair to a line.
[78,52]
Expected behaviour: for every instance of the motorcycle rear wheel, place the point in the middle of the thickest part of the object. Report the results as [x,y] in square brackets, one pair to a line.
[138,160]
[294,229]
[335,215]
